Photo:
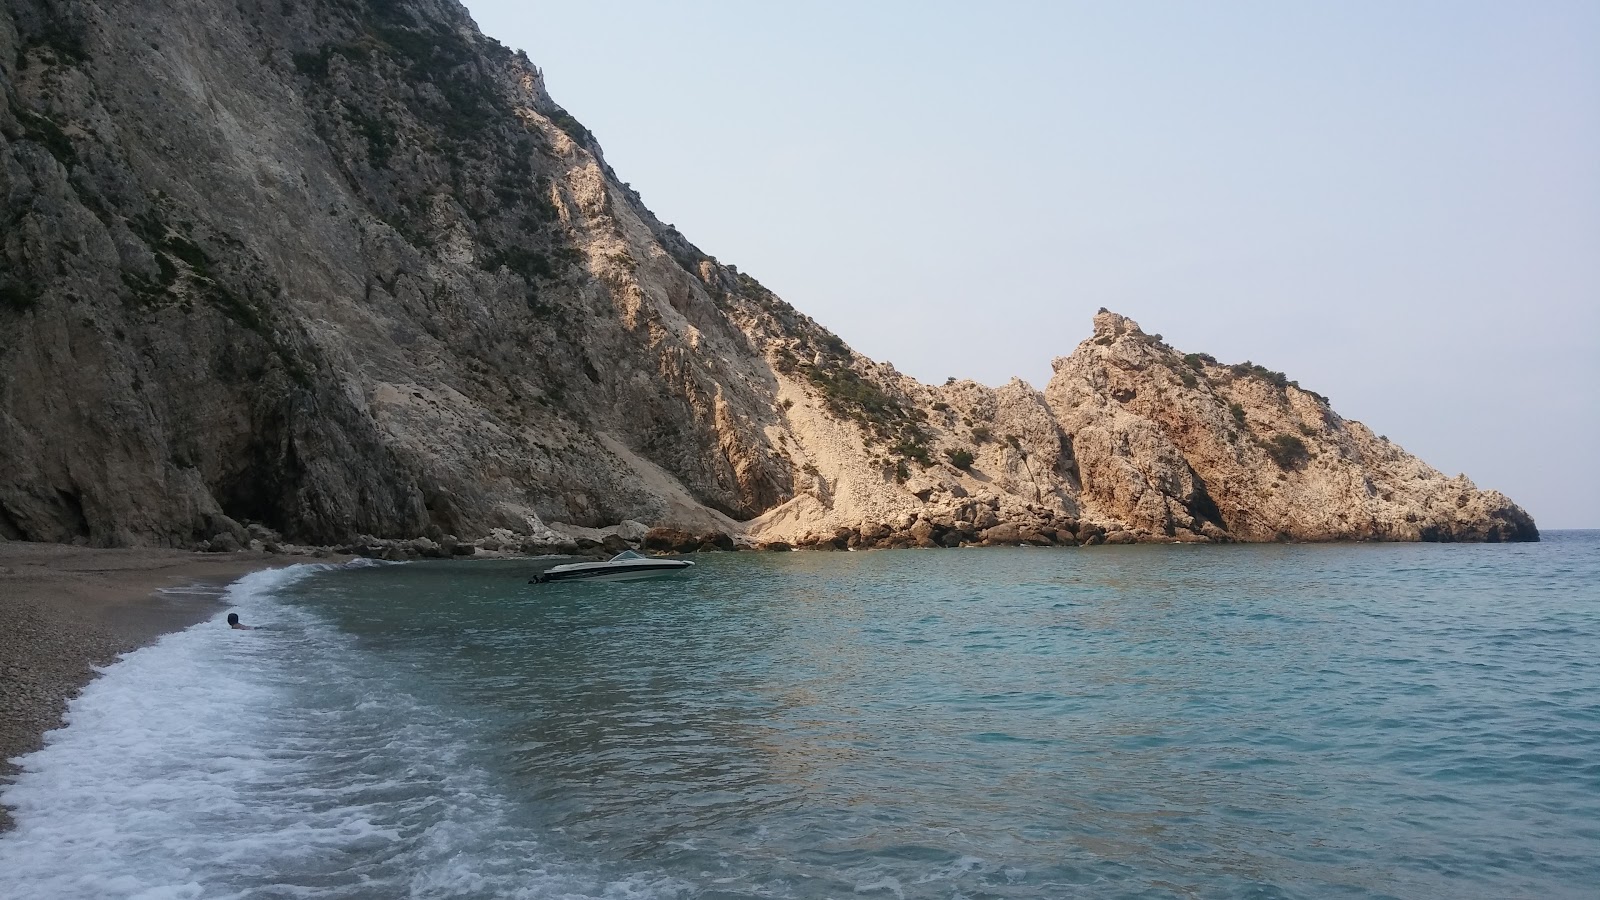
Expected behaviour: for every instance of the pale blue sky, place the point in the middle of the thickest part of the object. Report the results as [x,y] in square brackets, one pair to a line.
[1398,204]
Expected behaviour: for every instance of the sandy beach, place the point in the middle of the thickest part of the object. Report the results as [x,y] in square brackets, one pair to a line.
[65,610]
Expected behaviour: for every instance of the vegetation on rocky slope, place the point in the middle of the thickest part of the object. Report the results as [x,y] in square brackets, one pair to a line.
[347,271]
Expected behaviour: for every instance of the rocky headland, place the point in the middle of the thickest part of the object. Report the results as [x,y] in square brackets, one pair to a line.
[346,275]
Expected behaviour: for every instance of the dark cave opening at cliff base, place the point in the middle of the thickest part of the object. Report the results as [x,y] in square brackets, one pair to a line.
[1202,506]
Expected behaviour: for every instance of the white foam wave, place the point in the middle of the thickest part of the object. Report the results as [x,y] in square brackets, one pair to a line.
[279,762]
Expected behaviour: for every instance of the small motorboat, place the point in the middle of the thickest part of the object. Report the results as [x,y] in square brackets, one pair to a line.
[625,566]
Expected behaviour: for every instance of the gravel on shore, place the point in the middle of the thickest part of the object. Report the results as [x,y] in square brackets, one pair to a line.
[65,610]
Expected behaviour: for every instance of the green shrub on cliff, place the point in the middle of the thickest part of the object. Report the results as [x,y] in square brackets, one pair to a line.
[850,396]
[574,129]
[913,447]
[1287,450]
[832,344]
[530,264]
[1249,369]
[961,458]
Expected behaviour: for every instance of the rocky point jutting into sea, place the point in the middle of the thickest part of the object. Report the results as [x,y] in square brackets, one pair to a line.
[346,271]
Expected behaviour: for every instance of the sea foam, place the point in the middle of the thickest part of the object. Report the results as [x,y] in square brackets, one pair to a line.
[213,761]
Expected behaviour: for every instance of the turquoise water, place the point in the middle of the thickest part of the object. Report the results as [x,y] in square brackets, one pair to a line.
[1162,721]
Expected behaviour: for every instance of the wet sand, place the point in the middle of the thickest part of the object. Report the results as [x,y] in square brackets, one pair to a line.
[65,610]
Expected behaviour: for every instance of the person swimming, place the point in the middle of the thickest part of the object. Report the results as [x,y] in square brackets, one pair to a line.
[233,622]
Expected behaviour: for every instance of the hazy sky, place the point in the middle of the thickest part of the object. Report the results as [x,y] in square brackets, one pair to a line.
[1397,204]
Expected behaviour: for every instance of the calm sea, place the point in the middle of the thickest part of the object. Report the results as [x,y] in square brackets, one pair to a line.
[1415,721]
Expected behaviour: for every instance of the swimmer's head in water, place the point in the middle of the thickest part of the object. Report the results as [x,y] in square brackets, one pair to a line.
[233,618]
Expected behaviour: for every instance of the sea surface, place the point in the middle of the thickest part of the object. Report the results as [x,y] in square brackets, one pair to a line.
[1413,721]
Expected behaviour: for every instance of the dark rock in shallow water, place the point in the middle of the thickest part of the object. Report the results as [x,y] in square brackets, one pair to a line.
[1004,533]
[676,540]
[1034,538]
[716,540]
[1091,535]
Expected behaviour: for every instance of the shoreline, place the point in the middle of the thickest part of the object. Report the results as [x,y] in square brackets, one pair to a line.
[66,610]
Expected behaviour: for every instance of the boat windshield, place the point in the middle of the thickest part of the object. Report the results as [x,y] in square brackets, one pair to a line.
[626,554]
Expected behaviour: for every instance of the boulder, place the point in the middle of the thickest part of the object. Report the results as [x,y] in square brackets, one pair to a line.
[1004,533]
[716,540]
[670,540]
[1060,537]
[1033,537]
[631,531]
[874,531]
[224,542]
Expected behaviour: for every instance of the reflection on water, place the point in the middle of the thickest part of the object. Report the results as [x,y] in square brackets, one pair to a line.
[1199,721]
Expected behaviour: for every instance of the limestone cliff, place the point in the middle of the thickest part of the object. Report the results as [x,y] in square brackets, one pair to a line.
[346,269]
[1182,446]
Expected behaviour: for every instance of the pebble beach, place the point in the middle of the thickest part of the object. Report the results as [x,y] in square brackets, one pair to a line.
[65,610]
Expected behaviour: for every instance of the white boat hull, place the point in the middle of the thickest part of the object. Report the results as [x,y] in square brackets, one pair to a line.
[625,567]
[628,576]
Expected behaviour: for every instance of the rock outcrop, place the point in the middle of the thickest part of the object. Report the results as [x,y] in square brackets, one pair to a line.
[1181,446]
[347,272]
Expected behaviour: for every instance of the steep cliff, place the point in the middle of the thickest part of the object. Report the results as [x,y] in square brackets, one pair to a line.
[347,269]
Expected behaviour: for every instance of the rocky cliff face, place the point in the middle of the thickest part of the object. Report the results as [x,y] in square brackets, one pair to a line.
[347,269]
[1181,446]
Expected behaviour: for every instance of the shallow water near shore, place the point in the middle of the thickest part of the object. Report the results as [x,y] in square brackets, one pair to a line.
[1262,721]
